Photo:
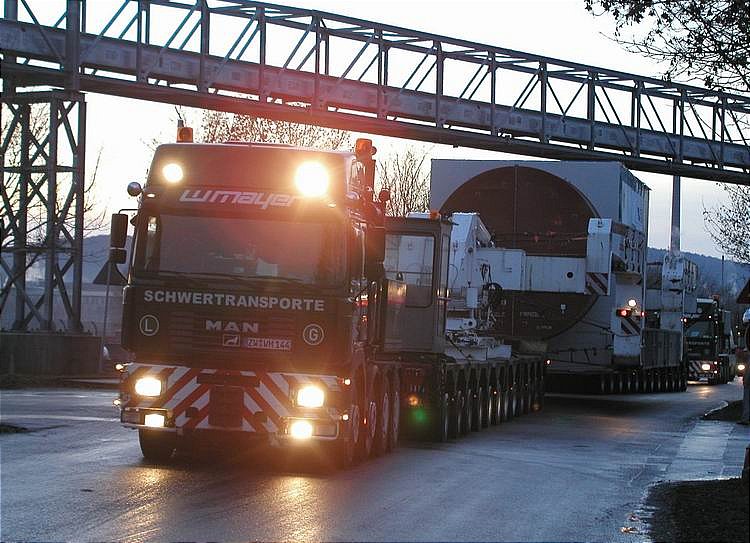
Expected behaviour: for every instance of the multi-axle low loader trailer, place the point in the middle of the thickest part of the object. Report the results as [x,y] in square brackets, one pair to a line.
[589,219]
[711,349]
[269,298]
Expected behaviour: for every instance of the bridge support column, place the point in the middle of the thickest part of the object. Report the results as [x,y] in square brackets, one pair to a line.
[42,194]
[674,242]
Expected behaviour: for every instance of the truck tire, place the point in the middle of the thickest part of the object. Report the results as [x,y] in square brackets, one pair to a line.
[367,431]
[380,441]
[343,451]
[156,446]
[395,422]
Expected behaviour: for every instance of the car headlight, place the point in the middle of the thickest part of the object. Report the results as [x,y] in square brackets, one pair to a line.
[310,396]
[148,386]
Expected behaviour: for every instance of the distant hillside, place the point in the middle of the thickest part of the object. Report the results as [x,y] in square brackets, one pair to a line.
[95,249]
[735,274]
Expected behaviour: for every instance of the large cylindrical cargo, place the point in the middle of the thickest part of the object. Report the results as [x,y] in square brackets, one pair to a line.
[544,208]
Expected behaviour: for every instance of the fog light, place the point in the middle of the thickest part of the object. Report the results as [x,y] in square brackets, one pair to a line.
[705,367]
[301,429]
[154,420]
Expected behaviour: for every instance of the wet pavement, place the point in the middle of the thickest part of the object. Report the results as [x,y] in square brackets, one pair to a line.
[576,471]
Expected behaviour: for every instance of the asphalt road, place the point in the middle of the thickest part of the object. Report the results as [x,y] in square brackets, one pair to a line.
[576,471]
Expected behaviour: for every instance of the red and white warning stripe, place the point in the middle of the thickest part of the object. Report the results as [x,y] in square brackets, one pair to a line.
[631,326]
[597,283]
[186,389]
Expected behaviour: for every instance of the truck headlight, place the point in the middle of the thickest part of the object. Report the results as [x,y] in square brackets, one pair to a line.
[311,179]
[310,396]
[148,386]
[705,367]
[740,367]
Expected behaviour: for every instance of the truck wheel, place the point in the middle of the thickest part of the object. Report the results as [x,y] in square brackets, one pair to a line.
[380,442]
[457,415]
[395,422]
[367,431]
[443,419]
[343,450]
[156,446]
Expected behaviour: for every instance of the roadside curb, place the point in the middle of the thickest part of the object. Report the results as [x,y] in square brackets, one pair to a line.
[59,381]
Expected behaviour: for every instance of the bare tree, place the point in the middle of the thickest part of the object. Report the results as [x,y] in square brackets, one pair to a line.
[707,40]
[729,224]
[217,126]
[405,175]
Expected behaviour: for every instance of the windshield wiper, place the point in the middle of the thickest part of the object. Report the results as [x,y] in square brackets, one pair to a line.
[191,279]
[251,278]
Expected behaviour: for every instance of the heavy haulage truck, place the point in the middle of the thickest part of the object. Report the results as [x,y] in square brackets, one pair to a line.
[710,343]
[268,297]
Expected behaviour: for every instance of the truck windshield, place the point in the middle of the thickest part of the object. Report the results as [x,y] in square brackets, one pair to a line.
[700,329]
[304,252]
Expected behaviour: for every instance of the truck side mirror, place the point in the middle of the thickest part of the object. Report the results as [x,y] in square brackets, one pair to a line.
[118,256]
[118,233]
[374,251]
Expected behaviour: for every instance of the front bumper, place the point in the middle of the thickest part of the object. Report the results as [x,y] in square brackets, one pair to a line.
[205,401]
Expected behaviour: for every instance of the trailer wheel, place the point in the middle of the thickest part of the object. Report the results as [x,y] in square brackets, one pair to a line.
[526,403]
[457,415]
[443,419]
[481,412]
[395,422]
[156,446]
[468,411]
[380,441]
[496,414]
[506,411]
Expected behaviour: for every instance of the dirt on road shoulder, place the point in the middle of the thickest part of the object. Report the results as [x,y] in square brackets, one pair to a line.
[707,511]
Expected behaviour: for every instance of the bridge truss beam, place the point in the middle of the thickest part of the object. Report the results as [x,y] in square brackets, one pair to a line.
[314,67]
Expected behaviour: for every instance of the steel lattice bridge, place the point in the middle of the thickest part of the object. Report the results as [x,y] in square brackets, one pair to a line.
[319,68]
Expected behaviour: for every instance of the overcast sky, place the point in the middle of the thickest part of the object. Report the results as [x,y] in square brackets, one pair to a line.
[558,28]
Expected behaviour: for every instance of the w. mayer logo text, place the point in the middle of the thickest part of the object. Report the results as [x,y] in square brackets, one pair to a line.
[263,200]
